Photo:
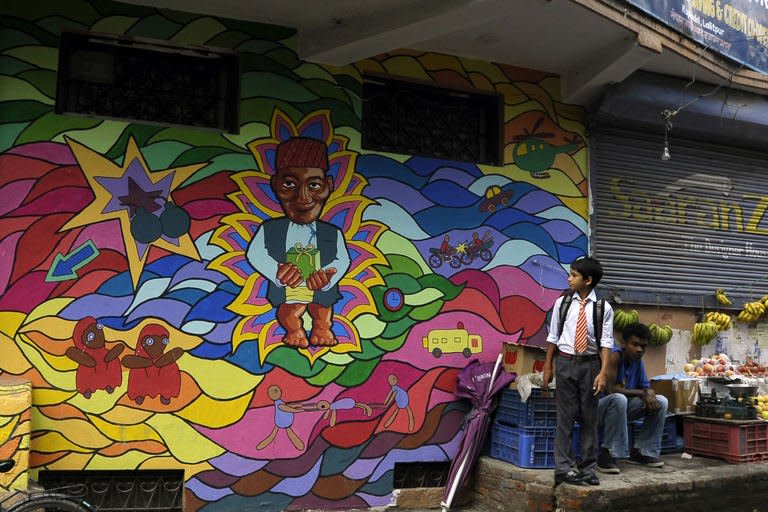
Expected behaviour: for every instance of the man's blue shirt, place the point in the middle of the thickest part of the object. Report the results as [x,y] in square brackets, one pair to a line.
[631,374]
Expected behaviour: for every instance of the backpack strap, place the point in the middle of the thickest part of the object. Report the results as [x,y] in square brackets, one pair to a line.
[598,313]
[564,305]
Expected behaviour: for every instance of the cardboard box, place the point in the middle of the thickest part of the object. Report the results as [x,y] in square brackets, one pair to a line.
[681,394]
[522,359]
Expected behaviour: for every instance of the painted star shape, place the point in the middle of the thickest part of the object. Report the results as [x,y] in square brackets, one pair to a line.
[119,190]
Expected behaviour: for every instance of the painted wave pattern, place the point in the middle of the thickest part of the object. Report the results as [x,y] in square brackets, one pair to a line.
[213,427]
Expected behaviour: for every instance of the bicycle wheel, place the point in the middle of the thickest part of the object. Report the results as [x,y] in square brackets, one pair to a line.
[50,503]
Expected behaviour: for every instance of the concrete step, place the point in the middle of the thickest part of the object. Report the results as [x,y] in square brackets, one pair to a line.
[697,484]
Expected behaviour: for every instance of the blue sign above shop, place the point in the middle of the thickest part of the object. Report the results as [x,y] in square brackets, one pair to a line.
[737,29]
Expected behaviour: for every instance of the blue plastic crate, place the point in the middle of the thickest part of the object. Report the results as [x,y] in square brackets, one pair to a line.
[527,447]
[669,441]
[540,410]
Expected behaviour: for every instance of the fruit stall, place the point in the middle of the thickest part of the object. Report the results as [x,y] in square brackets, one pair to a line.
[718,402]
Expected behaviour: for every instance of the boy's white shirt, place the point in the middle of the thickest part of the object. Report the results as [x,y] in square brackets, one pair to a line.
[564,340]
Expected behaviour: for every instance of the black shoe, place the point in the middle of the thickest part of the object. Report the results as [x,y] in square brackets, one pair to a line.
[606,463]
[635,457]
[590,478]
[572,477]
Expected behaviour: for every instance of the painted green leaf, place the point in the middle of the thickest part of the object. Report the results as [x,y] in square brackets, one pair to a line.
[199,32]
[154,26]
[390,344]
[16,111]
[271,85]
[44,80]
[326,375]
[290,360]
[115,24]
[199,155]
[427,311]
[404,264]
[356,373]
[49,125]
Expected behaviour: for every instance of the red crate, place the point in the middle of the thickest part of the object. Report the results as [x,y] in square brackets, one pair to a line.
[742,441]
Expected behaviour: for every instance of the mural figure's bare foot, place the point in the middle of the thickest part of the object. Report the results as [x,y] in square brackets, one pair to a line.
[296,339]
[322,322]
[322,338]
[289,317]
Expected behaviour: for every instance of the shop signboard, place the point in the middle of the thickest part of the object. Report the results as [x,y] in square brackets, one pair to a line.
[737,29]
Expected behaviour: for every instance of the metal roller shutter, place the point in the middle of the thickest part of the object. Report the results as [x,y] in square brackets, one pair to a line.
[671,232]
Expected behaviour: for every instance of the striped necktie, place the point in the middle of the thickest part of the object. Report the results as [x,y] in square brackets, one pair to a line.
[582,335]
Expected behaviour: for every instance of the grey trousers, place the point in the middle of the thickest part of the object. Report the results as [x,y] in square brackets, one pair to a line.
[576,400]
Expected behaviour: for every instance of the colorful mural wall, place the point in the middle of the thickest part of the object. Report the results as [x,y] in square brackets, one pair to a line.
[163,293]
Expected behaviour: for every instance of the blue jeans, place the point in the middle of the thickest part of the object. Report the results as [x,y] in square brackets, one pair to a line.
[616,410]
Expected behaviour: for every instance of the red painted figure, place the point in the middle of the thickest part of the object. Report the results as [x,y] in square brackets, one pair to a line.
[98,367]
[153,371]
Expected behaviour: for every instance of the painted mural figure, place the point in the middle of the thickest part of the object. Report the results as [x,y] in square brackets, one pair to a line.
[400,397]
[153,371]
[284,413]
[98,367]
[302,257]
[343,404]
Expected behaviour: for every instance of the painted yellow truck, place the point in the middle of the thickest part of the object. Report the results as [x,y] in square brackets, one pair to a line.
[450,341]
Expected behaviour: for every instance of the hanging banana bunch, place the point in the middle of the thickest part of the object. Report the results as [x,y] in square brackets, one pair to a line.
[704,332]
[660,335]
[722,298]
[722,320]
[752,312]
[622,318]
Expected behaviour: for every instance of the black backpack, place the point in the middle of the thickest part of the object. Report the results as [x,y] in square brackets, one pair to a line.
[598,312]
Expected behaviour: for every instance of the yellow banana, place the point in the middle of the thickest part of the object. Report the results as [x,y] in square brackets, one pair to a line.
[722,298]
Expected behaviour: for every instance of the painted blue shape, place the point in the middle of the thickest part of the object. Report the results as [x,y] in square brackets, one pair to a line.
[65,268]
[117,286]
[426,166]
[207,350]
[507,217]
[247,358]
[447,193]
[376,165]
[189,295]
[167,265]
[212,308]
[534,234]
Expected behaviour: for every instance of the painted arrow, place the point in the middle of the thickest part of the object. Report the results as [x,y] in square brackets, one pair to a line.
[65,268]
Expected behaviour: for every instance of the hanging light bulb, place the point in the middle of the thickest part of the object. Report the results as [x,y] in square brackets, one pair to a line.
[667,115]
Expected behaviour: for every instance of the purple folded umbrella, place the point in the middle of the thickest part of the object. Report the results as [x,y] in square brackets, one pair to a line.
[479,382]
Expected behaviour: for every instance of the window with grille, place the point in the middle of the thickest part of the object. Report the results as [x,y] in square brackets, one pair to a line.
[121,490]
[148,81]
[420,119]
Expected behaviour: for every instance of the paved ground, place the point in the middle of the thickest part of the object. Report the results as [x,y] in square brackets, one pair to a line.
[698,484]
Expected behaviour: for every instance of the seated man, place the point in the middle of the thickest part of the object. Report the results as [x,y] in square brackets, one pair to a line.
[629,397]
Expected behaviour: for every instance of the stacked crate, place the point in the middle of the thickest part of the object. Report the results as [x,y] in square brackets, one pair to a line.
[734,441]
[523,433]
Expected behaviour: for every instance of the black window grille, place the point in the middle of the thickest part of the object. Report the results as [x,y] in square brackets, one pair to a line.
[121,490]
[419,119]
[409,475]
[148,81]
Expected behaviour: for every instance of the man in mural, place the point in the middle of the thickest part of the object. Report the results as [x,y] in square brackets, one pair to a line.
[302,257]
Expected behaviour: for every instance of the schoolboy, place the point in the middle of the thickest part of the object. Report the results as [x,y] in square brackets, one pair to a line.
[630,398]
[580,371]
